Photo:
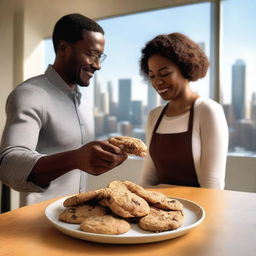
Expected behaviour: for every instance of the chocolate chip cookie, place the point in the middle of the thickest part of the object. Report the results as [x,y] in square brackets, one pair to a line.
[130,145]
[107,224]
[83,198]
[154,198]
[159,220]
[77,214]
[125,203]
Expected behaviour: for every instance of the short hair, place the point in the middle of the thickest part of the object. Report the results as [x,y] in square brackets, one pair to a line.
[70,28]
[179,49]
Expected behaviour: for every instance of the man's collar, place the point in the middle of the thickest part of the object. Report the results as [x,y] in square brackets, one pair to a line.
[57,81]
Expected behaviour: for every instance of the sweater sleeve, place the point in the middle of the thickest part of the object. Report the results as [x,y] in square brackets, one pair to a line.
[214,146]
[19,140]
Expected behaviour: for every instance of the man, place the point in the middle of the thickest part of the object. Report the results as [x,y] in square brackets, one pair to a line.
[47,147]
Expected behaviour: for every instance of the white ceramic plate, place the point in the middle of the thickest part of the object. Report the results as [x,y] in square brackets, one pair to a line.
[193,216]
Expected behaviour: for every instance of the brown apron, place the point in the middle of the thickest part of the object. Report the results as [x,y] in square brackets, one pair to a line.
[172,155]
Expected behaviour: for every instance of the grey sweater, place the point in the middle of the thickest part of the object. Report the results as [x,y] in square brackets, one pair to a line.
[44,116]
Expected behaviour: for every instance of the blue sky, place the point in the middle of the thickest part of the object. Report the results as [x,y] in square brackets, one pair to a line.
[126,35]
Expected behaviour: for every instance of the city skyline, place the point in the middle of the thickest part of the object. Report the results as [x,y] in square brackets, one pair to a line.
[127,117]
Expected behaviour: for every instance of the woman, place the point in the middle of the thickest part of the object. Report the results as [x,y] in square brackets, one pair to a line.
[188,137]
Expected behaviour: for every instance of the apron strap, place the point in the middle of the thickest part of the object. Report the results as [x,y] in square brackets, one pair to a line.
[191,117]
[160,118]
[190,122]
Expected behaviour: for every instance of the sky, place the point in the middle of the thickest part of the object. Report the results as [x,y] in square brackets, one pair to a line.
[127,35]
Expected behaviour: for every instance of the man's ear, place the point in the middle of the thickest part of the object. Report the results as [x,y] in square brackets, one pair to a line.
[63,46]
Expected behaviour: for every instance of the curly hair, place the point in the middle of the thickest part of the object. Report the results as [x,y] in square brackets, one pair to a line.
[71,26]
[179,49]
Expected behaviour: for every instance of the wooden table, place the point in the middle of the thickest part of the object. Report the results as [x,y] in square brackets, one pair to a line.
[229,229]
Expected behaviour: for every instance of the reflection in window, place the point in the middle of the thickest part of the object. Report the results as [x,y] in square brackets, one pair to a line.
[238,80]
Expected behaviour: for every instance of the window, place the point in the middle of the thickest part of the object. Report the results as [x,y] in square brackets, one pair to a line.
[238,80]
[122,100]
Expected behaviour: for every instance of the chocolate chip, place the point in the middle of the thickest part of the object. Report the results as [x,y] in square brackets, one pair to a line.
[136,202]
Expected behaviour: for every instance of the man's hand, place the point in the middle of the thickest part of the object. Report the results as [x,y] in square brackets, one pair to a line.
[94,158]
[98,157]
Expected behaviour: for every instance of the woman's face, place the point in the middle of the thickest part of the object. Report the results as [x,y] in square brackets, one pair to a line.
[166,77]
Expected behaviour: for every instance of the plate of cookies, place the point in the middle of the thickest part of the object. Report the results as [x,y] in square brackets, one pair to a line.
[124,213]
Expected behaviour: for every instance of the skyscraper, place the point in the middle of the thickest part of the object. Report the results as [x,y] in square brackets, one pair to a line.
[245,134]
[238,89]
[153,99]
[112,105]
[253,108]
[137,112]
[104,98]
[124,99]
[97,93]
[229,113]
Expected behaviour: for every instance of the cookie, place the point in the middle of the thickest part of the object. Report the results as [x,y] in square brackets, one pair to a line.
[130,145]
[105,225]
[159,220]
[111,210]
[77,214]
[161,201]
[154,198]
[133,187]
[117,185]
[125,203]
[104,202]
[83,198]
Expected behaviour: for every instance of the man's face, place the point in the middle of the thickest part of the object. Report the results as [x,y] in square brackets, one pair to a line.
[83,58]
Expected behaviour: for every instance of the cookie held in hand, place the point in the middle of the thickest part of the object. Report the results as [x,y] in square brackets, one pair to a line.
[130,145]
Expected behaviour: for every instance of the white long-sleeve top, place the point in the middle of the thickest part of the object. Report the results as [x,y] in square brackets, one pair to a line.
[209,142]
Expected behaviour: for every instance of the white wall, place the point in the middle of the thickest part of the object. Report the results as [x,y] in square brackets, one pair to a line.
[241,174]
[6,53]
